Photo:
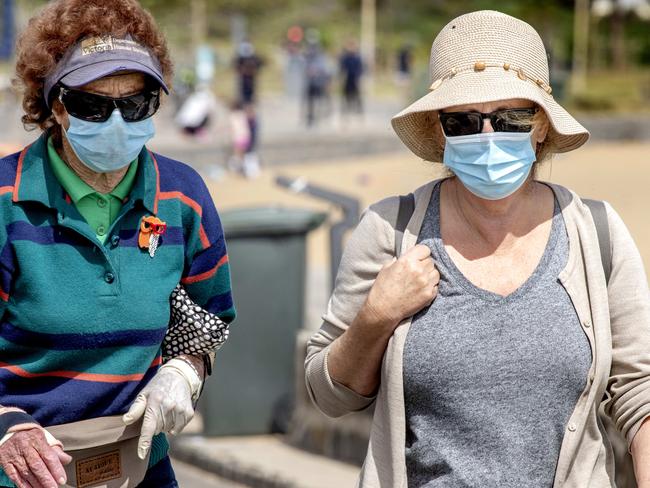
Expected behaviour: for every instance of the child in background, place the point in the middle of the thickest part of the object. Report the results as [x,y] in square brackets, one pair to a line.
[243,129]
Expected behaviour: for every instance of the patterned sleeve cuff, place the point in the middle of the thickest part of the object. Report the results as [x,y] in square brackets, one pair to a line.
[15,420]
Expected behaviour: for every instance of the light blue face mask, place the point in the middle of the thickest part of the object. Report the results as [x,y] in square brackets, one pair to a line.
[109,146]
[492,165]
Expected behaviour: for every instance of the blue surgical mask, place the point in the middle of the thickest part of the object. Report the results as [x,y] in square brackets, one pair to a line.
[111,145]
[491,165]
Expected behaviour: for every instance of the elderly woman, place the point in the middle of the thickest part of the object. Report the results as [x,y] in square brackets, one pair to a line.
[489,344]
[97,233]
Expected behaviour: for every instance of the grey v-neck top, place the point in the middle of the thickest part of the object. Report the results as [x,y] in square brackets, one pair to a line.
[490,381]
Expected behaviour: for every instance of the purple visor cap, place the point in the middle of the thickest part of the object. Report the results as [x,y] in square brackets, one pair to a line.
[95,57]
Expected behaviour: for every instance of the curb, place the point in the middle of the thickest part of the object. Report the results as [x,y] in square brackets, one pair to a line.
[190,449]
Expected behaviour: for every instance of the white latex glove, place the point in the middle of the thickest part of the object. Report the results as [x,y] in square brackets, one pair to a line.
[166,403]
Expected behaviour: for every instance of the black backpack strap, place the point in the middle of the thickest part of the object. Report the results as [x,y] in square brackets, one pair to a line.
[406,208]
[599,214]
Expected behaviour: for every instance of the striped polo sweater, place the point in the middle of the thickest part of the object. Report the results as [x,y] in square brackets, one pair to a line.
[82,322]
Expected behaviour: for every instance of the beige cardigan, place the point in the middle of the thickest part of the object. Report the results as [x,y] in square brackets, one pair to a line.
[616,320]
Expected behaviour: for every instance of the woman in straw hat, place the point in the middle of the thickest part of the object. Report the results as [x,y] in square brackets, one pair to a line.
[488,345]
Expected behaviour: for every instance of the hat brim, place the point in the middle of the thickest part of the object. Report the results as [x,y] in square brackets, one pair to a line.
[95,71]
[565,132]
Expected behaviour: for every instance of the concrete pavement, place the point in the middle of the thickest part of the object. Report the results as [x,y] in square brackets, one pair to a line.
[189,476]
[263,462]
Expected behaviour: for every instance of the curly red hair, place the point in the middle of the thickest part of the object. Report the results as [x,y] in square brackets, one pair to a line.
[60,25]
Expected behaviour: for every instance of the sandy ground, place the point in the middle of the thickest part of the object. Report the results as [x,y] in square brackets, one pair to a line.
[618,173]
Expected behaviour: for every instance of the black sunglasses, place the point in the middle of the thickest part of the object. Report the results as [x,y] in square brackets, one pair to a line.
[98,108]
[504,120]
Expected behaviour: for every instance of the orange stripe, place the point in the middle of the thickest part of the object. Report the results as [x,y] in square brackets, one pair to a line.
[6,189]
[168,195]
[19,173]
[155,202]
[4,296]
[207,274]
[204,237]
[75,375]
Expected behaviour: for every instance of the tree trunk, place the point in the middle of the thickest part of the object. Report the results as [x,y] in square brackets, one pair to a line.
[617,39]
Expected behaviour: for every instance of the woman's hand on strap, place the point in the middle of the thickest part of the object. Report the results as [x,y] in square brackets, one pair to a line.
[403,288]
[30,462]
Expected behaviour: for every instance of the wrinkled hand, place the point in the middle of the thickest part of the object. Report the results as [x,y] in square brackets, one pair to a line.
[30,462]
[166,403]
[404,287]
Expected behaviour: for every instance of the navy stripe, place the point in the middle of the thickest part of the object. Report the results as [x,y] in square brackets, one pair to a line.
[6,268]
[69,342]
[219,303]
[53,401]
[206,260]
[48,235]
[178,176]
[7,258]
[8,167]
[6,278]
[10,419]
[45,235]
[173,236]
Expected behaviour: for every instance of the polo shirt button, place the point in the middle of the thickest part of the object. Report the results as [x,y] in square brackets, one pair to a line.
[109,277]
[572,427]
[115,240]
[101,230]
[101,203]
[587,323]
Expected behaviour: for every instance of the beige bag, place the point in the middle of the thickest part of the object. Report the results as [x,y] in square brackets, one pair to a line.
[104,453]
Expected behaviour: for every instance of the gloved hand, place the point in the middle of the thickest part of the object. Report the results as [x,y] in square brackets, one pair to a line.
[166,402]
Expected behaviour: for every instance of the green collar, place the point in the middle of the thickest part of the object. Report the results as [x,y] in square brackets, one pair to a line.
[36,180]
[78,188]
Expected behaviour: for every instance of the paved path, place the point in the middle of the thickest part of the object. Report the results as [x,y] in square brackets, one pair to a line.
[265,462]
[189,476]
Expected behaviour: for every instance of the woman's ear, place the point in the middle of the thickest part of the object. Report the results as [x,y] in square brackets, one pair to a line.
[541,128]
[60,114]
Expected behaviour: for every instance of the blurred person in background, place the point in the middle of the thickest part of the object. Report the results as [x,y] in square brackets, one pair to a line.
[478,314]
[294,63]
[97,232]
[247,65]
[404,64]
[318,75]
[351,70]
[197,113]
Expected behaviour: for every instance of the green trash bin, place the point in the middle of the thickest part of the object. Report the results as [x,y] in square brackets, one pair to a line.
[254,371]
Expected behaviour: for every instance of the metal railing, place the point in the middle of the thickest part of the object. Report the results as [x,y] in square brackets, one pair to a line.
[349,207]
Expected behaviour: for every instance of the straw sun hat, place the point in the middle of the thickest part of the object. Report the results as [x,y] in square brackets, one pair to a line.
[486,56]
